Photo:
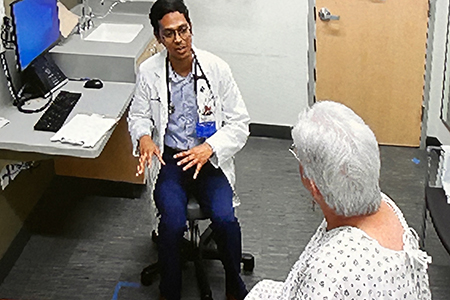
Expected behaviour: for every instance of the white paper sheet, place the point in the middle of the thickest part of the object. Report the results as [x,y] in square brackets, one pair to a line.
[84,130]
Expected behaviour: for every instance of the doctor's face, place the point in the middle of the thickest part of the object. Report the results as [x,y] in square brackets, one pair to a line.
[175,35]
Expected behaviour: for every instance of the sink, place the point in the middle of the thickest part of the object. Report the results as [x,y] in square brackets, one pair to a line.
[108,51]
[114,33]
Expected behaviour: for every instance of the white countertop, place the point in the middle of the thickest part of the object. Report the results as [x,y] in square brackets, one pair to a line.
[19,135]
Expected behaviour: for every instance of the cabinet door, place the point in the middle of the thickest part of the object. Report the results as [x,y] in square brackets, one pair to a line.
[115,163]
[372,59]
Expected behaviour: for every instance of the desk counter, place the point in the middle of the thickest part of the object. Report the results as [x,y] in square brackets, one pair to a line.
[19,136]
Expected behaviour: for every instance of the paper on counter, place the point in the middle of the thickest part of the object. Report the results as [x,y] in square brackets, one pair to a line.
[84,130]
[3,122]
[67,20]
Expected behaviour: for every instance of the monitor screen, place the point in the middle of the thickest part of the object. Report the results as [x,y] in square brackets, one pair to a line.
[36,27]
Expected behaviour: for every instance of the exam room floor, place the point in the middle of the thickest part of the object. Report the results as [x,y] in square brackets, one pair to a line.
[90,239]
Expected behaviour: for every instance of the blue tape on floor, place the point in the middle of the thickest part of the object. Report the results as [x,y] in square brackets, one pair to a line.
[124,284]
[416,160]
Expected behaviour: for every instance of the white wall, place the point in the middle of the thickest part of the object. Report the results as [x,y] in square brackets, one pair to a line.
[265,42]
[435,127]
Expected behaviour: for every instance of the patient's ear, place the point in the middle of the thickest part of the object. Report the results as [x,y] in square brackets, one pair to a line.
[314,189]
[311,186]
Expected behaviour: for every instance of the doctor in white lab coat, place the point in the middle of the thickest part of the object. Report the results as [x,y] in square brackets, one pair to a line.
[187,120]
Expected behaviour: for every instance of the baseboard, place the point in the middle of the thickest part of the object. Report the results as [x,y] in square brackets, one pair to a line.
[272,131]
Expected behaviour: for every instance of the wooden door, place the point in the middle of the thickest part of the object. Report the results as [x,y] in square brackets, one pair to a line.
[373,60]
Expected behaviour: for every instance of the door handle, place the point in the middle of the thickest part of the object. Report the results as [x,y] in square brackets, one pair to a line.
[325,15]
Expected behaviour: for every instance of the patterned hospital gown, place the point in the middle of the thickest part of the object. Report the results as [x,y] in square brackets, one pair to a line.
[346,263]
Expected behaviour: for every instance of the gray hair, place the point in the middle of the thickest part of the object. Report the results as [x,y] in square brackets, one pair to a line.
[339,152]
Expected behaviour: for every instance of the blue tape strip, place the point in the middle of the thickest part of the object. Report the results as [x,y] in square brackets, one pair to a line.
[416,161]
[124,284]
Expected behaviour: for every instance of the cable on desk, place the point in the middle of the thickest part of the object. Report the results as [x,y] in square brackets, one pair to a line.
[21,103]
[18,99]
[7,35]
[11,88]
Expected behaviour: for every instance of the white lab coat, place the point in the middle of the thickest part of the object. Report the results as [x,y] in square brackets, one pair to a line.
[148,113]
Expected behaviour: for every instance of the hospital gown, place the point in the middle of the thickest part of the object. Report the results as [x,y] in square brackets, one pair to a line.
[346,263]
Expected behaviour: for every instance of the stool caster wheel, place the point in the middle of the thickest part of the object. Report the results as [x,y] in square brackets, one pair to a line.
[154,237]
[249,262]
[148,274]
[206,296]
[146,279]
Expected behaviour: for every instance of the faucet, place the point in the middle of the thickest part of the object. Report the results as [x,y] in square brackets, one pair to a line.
[86,22]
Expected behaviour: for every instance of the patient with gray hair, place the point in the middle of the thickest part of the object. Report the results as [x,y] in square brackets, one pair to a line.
[363,249]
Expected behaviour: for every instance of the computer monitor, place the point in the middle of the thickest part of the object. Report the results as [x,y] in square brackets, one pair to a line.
[36,29]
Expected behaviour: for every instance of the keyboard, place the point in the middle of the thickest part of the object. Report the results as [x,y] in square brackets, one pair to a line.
[57,113]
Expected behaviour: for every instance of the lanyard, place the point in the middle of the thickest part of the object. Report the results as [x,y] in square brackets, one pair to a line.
[171,107]
[196,77]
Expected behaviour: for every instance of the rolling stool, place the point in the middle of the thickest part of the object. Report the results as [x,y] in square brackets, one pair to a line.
[200,246]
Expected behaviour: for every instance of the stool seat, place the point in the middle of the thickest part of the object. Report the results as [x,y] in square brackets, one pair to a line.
[194,211]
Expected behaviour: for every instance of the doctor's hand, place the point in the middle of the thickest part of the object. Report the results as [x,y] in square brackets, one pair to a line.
[147,148]
[198,156]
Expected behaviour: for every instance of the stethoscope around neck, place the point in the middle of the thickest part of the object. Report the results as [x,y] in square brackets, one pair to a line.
[171,107]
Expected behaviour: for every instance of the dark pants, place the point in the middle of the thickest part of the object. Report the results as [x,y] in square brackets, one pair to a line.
[215,195]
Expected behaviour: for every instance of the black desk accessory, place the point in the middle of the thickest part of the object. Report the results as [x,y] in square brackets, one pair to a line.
[55,116]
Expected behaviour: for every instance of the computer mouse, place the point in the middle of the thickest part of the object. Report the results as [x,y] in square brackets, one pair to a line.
[93,84]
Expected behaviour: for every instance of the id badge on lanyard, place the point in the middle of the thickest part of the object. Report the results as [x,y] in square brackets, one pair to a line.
[206,125]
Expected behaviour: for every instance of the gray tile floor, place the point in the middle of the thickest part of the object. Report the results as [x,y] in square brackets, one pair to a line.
[90,239]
